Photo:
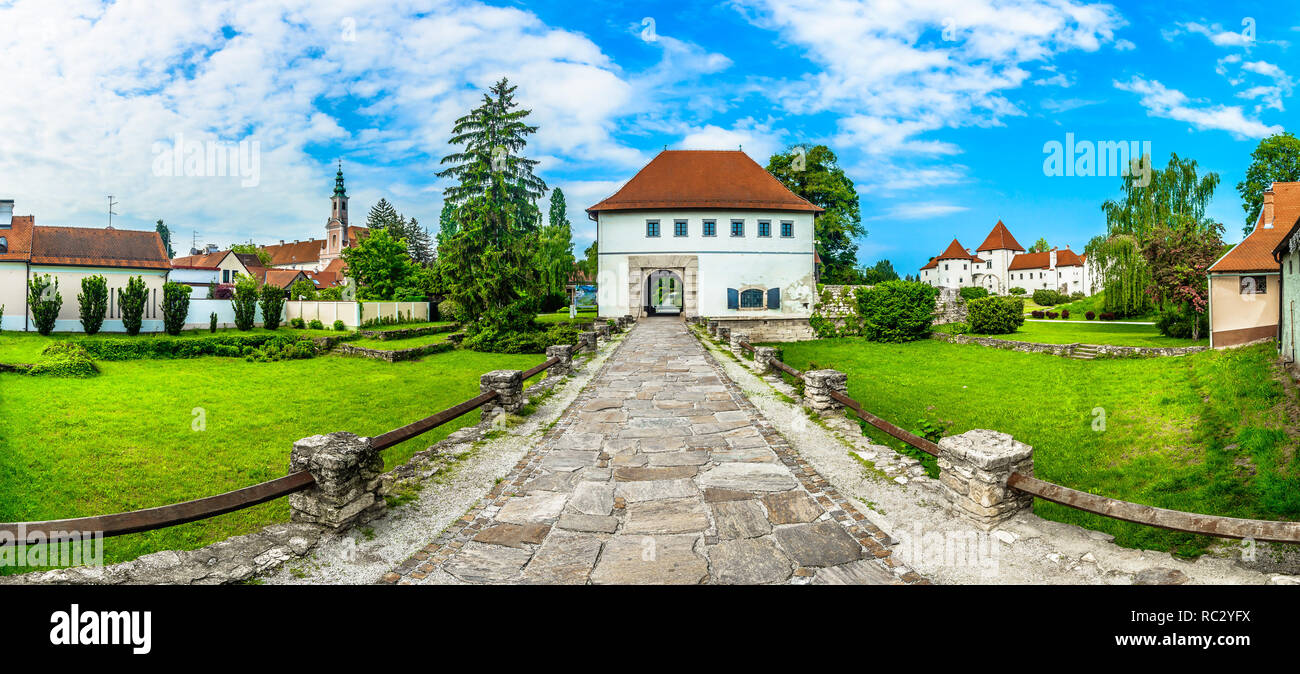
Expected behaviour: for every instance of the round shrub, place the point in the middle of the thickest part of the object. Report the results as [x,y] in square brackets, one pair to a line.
[973,293]
[896,311]
[1090,315]
[1052,314]
[1065,313]
[1036,313]
[450,310]
[297,323]
[64,359]
[1017,291]
[315,324]
[1048,298]
[996,315]
[338,325]
[1107,316]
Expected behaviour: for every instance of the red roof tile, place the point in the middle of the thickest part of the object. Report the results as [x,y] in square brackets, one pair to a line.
[18,238]
[1000,239]
[955,251]
[1064,258]
[1255,252]
[703,179]
[85,246]
[298,252]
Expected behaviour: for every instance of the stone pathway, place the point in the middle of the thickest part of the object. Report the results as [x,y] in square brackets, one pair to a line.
[660,472]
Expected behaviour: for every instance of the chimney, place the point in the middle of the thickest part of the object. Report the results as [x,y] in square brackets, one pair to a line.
[281,242]
[1267,213]
[1051,259]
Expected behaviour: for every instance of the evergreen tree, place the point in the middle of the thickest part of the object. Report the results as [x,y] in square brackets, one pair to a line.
[418,243]
[166,236]
[382,215]
[555,254]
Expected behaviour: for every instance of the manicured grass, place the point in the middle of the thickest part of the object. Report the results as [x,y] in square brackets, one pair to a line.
[403,343]
[1179,432]
[124,440]
[1089,332]
[409,326]
[563,317]
[24,347]
[1079,308]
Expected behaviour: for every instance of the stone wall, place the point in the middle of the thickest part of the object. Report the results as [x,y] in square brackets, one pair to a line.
[949,307]
[395,355]
[1102,350]
[837,301]
[770,329]
[403,333]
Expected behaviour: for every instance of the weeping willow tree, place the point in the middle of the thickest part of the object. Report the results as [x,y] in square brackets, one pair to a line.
[1173,199]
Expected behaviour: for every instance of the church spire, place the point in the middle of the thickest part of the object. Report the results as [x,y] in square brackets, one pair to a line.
[338,182]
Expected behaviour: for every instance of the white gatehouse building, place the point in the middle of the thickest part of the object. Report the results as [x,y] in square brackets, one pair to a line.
[708,233]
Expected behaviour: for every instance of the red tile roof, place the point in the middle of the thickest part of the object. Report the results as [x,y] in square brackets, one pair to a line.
[18,238]
[934,262]
[955,251]
[282,278]
[298,252]
[1000,239]
[703,179]
[1064,258]
[1255,252]
[85,246]
[202,260]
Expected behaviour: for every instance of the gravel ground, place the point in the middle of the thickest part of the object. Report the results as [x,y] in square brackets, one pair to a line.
[362,558]
[1025,550]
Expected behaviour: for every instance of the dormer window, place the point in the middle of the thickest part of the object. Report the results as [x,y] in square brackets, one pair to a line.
[4,245]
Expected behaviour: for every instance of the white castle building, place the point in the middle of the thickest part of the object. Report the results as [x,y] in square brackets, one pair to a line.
[1001,263]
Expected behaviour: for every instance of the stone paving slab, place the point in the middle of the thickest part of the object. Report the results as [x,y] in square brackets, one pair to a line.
[660,472]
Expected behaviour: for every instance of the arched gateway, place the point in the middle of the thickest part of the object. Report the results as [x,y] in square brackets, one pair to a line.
[664,293]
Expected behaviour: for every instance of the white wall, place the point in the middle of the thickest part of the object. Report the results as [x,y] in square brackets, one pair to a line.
[724,261]
[201,310]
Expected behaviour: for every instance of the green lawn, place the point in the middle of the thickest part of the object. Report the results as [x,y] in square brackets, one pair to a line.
[409,326]
[24,347]
[1178,433]
[123,440]
[1079,308]
[1090,332]
[563,317]
[403,343]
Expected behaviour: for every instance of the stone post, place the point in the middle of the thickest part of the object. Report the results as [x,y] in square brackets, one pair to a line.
[346,492]
[724,333]
[563,366]
[509,385]
[713,328]
[628,319]
[736,339]
[763,357]
[602,331]
[817,388]
[973,469]
[587,340]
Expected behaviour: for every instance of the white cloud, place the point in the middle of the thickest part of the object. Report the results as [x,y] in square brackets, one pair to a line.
[1216,34]
[1161,101]
[891,73]
[1124,45]
[918,211]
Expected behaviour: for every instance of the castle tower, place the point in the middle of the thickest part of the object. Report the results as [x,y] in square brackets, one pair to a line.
[336,227]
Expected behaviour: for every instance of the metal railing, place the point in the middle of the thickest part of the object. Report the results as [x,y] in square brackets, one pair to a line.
[1174,520]
[161,517]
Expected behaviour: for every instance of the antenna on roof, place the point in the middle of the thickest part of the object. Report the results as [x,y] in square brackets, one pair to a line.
[111,204]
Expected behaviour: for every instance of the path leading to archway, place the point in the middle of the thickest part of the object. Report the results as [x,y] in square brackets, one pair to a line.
[662,472]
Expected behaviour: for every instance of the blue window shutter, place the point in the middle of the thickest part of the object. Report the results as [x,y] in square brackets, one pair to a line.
[773,298]
[733,298]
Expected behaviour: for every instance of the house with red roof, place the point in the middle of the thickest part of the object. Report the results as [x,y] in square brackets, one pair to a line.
[1000,263]
[69,254]
[1246,303]
[708,233]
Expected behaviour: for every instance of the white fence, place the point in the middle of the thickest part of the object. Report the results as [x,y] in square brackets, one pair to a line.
[353,314]
[410,310]
[201,312]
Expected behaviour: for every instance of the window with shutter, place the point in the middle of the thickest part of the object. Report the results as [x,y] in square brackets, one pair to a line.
[751,299]
[773,298]
[733,298]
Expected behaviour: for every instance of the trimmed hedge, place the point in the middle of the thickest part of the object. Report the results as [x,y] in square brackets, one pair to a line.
[973,293]
[897,311]
[163,347]
[996,315]
[491,340]
[1048,298]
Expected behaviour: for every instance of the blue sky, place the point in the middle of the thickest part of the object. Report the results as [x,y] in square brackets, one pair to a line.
[938,111]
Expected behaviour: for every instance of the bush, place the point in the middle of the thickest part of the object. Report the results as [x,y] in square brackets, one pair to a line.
[1036,313]
[1016,291]
[1077,295]
[315,324]
[1065,313]
[212,322]
[297,323]
[450,310]
[973,293]
[495,340]
[131,303]
[64,359]
[1178,323]
[1048,298]
[175,347]
[93,303]
[996,315]
[224,291]
[338,325]
[1052,314]
[896,311]
[302,289]
[272,306]
[245,302]
[1089,315]
[1107,316]
[282,347]
[176,306]
[45,301]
